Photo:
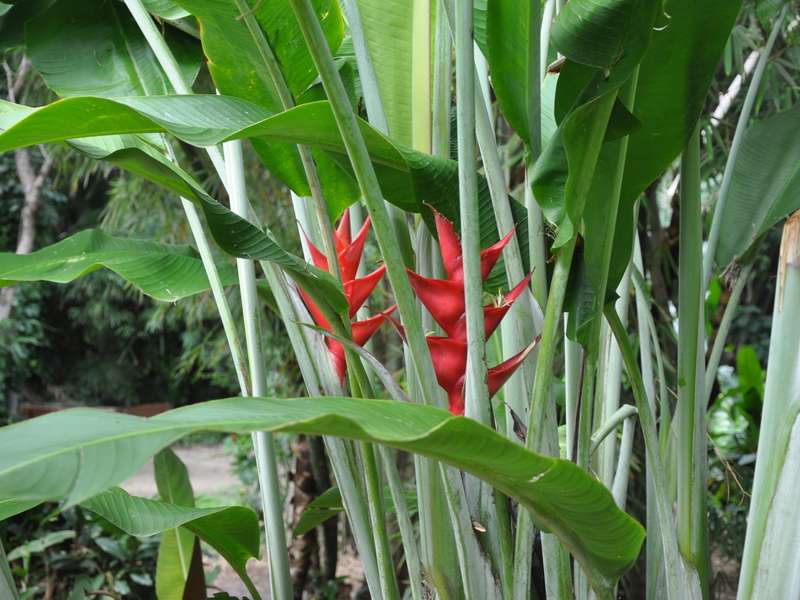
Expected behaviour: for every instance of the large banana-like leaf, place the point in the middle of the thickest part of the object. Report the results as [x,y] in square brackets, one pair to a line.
[176,550]
[238,69]
[75,454]
[674,76]
[389,36]
[512,26]
[235,235]
[233,531]
[161,271]
[410,179]
[677,59]
[764,184]
[82,47]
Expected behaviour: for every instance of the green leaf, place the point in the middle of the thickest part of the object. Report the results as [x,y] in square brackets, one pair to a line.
[233,531]
[674,77]
[325,506]
[174,562]
[12,23]
[409,179]
[510,34]
[74,454]
[603,43]
[41,544]
[388,31]
[764,184]
[238,69]
[164,272]
[82,47]
[166,9]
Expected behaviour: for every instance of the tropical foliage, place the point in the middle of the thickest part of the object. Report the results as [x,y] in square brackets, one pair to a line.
[520,165]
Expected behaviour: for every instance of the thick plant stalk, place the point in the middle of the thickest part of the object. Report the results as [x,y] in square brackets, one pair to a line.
[769,563]
[266,460]
[612,380]
[7,587]
[654,565]
[287,101]
[477,394]
[573,361]
[691,409]
[736,144]
[681,582]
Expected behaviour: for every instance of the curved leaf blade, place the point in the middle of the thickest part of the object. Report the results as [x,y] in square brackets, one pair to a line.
[764,184]
[233,531]
[410,179]
[162,271]
[86,450]
[83,47]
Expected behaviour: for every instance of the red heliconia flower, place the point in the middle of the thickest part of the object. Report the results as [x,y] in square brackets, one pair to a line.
[444,299]
[356,290]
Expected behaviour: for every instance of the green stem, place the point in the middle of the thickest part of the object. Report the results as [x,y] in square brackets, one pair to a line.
[7,588]
[378,520]
[736,144]
[678,584]
[690,340]
[476,392]
[404,523]
[368,184]
[547,345]
[266,460]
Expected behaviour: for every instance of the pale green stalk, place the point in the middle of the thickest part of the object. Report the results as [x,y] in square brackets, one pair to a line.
[407,532]
[619,488]
[169,65]
[7,588]
[723,329]
[736,144]
[266,460]
[691,409]
[287,101]
[769,562]
[653,553]
[544,39]
[612,380]
[386,572]
[573,361]
[476,576]
[623,413]
[475,391]
[681,584]
[421,101]
[280,579]
[377,516]
[368,183]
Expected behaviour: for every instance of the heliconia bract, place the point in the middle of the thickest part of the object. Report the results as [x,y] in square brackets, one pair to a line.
[356,289]
[444,299]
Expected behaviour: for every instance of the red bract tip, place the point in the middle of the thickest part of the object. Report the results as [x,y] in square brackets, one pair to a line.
[317,256]
[351,255]
[499,375]
[449,244]
[341,236]
[358,290]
